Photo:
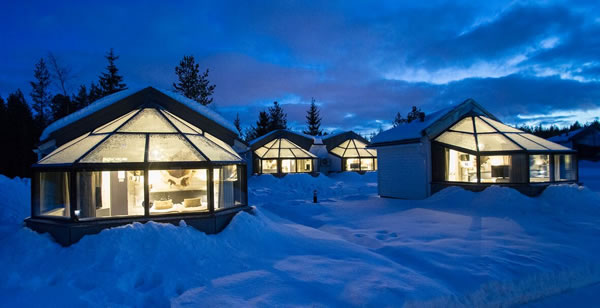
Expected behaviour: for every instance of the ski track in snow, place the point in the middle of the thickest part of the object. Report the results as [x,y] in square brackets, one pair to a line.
[496,248]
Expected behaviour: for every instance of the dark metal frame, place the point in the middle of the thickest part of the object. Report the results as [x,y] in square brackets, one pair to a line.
[478,154]
[146,166]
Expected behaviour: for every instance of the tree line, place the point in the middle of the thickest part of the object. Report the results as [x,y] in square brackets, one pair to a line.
[22,123]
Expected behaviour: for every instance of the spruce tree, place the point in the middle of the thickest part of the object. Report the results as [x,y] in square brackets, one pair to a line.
[81,99]
[398,120]
[24,134]
[95,93]
[277,117]
[40,93]
[415,114]
[61,106]
[110,81]
[191,83]
[263,125]
[313,120]
[237,124]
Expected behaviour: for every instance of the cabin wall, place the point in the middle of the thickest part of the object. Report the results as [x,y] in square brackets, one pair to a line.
[335,163]
[404,170]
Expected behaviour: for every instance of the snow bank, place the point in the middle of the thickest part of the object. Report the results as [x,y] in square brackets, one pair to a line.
[15,199]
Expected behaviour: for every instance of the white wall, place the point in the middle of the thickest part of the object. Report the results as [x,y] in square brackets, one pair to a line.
[335,163]
[404,171]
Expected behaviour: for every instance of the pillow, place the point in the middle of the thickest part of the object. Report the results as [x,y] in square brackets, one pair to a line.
[192,202]
[163,204]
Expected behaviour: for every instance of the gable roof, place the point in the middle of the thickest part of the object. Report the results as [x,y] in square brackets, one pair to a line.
[432,125]
[299,139]
[334,140]
[562,138]
[118,104]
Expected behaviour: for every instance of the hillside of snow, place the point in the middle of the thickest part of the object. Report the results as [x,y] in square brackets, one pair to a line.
[457,248]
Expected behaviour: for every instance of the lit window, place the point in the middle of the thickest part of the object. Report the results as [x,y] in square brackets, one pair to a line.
[460,167]
[539,168]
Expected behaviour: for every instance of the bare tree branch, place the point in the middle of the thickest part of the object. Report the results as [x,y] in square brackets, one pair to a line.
[60,74]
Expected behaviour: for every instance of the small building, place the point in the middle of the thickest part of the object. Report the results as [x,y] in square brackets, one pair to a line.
[281,152]
[467,146]
[586,141]
[347,151]
[136,156]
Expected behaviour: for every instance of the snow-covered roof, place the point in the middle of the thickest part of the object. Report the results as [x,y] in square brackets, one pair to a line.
[412,130]
[566,137]
[113,98]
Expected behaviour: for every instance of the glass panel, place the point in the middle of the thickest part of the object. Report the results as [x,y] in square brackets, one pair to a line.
[301,153]
[351,152]
[539,168]
[269,166]
[178,191]
[524,142]
[462,140]
[364,153]
[495,142]
[260,151]
[501,127]
[344,144]
[359,144]
[352,164]
[181,124]
[220,143]
[287,144]
[113,125]
[495,169]
[549,144]
[565,167]
[110,194]
[118,148]
[228,187]
[270,144]
[288,166]
[483,127]
[171,148]
[285,153]
[276,144]
[148,121]
[460,167]
[373,152]
[70,152]
[305,165]
[465,125]
[338,151]
[51,196]
[272,153]
[214,152]
[366,164]
[375,160]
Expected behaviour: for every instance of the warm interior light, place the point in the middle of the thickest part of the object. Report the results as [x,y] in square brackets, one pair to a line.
[121,176]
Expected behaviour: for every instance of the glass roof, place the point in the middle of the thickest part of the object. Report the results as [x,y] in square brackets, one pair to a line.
[483,134]
[282,148]
[353,148]
[166,137]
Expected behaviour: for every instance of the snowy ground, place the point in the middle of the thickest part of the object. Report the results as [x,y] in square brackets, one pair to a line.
[457,248]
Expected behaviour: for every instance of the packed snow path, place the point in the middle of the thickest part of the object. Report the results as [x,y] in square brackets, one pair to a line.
[457,248]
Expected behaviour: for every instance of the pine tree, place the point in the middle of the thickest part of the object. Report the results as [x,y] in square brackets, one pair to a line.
[110,81]
[398,120]
[191,83]
[313,120]
[237,124]
[81,99]
[24,134]
[263,125]
[277,117]
[40,93]
[415,114]
[95,93]
[61,106]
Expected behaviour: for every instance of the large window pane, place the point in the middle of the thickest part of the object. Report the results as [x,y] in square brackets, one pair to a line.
[73,150]
[178,191]
[228,190]
[465,125]
[495,142]
[539,168]
[495,169]
[119,148]
[305,165]
[288,165]
[462,140]
[171,148]
[352,164]
[51,196]
[269,166]
[564,167]
[148,121]
[366,164]
[460,167]
[110,194]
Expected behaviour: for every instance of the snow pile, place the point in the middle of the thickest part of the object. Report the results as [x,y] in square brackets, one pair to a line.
[455,249]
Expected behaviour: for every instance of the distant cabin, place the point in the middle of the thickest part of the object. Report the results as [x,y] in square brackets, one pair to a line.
[469,147]
[135,156]
[347,151]
[586,141]
[281,152]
